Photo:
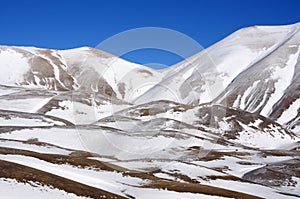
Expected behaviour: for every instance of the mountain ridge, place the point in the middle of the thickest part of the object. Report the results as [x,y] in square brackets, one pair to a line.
[83,123]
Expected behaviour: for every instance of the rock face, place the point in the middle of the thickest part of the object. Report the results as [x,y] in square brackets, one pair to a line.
[224,123]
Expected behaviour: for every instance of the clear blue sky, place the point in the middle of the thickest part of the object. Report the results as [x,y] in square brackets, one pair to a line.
[62,24]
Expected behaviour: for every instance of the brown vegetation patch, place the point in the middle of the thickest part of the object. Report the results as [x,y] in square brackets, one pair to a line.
[26,174]
[219,155]
[79,159]
[227,177]
[198,188]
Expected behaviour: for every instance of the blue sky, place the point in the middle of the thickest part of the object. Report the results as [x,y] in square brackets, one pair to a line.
[62,24]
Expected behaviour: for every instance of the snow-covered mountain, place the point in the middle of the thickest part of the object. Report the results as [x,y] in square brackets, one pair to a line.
[255,69]
[85,68]
[82,123]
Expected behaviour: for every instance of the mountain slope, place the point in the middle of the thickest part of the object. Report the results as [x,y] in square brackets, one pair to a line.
[84,68]
[255,69]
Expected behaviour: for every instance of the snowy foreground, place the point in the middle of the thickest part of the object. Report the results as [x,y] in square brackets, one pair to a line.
[83,123]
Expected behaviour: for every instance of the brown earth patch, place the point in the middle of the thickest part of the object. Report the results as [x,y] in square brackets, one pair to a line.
[198,188]
[26,174]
